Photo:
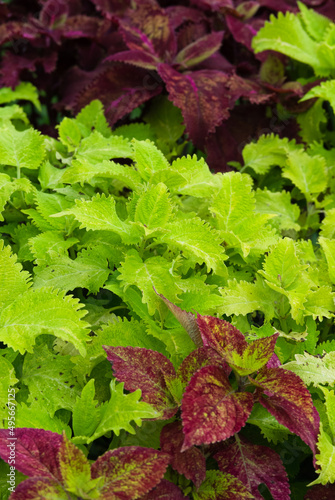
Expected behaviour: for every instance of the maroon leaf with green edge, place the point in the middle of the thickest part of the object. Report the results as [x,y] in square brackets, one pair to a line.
[129,472]
[219,486]
[253,465]
[192,462]
[36,451]
[165,490]
[197,94]
[148,370]
[135,57]
[287,398]
[321,492]
[203,356]
[39,488]
[199,50]
[211,411]
[186,319]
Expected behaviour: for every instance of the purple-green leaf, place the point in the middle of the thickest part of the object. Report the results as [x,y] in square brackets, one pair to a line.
[129,472]
[144,369]
[39,488]
[36,451]
[211,411]
[165,490]
[191,463]
[201,49]
[219,486]
[253,465]
[287,398]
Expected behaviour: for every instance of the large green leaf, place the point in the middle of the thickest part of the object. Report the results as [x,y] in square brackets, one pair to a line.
[13,280]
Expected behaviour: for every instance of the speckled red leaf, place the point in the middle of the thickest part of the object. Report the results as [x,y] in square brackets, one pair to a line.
[221,335]
[144,369]
[203,356]
[72,463]
[121,88]
[199,50]
[211,411]
[274,361]
[321,492]
[254,465]
[192,462]
[202,96]
[129,472]
[186,319]
[254,356]
[39,488]
[287,398]
[214,5]
[36,451]
[148,28]
[165,490]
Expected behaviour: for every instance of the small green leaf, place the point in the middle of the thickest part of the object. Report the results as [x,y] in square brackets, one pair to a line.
[153,208]
[13,280]
[312,369]
[25,91]
[21,149]
[148,159]
[86,414]
[325,459]
[308,173]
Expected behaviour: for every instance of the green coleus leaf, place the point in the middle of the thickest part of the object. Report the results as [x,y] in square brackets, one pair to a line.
[287,34]
[42,311]
[153,273]
[99,213]
[242,297]
[86,414]
[325,459]
[129,472]
[25,91]
[69,133]
[234,208]
[192,462]
[330,407]
[328,247]
[92,116]
[254,465]
[308,173]
[147,370]
[196,178]
[230,343]
[89,270]
[198,241]
[219,486]
[50,380]
[7,391]
[21,236]
[287,398]
[8,187]
[326,90]
[35,416]
[211,410]
[148,159]
[49,204]
[271,429]
[13,280]
[313,369]
[153,208]
[95,148]
[314,23]
[82,171]
[278,203]
[44,244]
[21,149]
[118,413]
[267,151]
[328,225]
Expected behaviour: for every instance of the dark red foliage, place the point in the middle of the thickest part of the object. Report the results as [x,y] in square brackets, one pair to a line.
[127,52]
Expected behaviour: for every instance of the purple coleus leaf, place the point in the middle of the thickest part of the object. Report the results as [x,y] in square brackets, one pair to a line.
[148,370]
[191,463]
[39,488]
[230,343]
[211,410]
[198,95]
[254,465]
[214,5]
[287,398]
[36,451]
[321,492]
[165,490]
[129,472]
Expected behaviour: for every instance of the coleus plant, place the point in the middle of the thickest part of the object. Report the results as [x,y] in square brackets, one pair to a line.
[105,216]
[199,54]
